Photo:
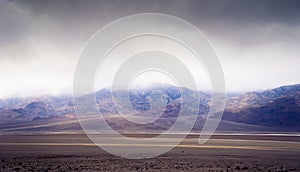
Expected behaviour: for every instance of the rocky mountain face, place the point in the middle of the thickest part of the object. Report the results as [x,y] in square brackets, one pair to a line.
[282,112]
[276,108]
[141,100]
[253,99]
[27,109]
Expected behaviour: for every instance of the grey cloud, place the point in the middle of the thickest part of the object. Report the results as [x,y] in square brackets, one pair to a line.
[39,31]
[13,24]
[214,17]
[231,10]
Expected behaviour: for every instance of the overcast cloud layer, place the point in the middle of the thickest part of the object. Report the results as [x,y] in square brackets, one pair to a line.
[257,41]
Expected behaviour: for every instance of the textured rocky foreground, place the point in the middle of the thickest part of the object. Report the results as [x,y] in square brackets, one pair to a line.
[172,162]
[221,153]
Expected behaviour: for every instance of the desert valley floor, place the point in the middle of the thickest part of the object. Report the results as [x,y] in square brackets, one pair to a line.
[75,152]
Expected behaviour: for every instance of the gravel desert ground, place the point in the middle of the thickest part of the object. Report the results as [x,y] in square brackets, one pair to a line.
[75,152]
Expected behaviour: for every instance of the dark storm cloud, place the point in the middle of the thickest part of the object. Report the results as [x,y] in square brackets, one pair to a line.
[72,14]
[254,38]
[233,10]
[13,26]
[75,17]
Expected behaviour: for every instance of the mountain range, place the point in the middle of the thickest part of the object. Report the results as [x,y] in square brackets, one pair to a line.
[274,110]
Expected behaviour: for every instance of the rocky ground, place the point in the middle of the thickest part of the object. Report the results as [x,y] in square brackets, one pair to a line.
[91,158]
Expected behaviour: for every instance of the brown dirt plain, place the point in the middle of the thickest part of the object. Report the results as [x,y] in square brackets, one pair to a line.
[75,152]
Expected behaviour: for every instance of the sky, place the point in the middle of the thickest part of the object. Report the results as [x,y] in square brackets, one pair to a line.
[40,41]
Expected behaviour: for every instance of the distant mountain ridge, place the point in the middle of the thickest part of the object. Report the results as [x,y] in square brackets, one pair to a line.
[263,97]
[276,109]
[279,107]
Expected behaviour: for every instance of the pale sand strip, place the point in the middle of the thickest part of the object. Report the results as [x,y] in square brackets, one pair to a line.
[151,145]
